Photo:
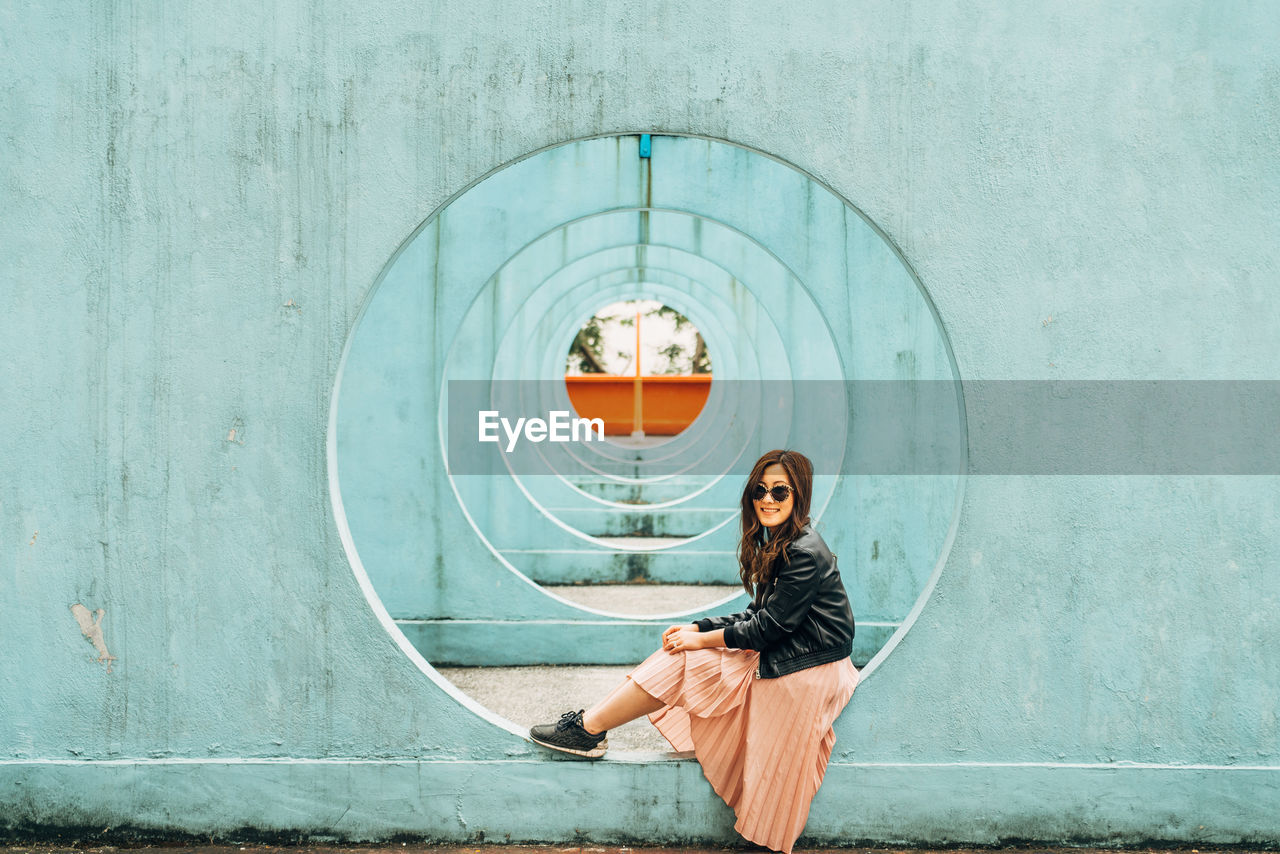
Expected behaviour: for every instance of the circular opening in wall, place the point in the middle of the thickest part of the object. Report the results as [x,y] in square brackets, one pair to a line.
[484,542]
[641,368]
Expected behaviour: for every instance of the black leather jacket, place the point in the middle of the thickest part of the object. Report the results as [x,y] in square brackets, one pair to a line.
[800,619]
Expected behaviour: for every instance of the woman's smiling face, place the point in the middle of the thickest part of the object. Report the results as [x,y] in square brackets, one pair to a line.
[773,513]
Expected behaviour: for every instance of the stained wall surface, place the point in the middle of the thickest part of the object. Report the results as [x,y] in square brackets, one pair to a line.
[197,202]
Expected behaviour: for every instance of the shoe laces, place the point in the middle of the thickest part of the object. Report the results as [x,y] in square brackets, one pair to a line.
[569,720]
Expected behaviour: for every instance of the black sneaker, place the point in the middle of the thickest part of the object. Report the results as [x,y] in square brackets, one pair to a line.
[569,736]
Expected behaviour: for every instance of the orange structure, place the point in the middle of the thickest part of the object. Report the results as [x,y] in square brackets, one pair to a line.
[670,402]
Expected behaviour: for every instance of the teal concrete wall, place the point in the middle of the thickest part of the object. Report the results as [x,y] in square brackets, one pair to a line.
[197,203]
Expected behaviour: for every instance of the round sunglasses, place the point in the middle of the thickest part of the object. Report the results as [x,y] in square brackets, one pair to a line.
[779,493]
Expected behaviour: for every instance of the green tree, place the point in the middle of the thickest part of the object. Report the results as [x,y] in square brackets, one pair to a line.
[586,353]
[679,359]
[587,349]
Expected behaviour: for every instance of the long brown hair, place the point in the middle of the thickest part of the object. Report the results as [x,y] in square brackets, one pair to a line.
[758,553]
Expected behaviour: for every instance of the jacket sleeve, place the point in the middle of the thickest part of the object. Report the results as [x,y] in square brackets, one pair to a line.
[709,624]
[794,589]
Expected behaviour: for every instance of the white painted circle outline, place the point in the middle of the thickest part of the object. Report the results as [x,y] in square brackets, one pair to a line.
[335,495]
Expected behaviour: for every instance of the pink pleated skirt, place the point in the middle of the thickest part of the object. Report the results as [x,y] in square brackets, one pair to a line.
[763,744]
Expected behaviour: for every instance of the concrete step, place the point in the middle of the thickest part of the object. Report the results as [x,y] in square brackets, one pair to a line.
[593,565]
[645,598]
[592,639]
[669,522]
[651,492]
[536,695]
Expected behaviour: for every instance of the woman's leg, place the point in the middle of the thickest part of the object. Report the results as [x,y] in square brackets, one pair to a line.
[625,703]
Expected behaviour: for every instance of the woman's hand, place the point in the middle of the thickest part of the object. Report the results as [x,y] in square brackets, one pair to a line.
[679,638]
